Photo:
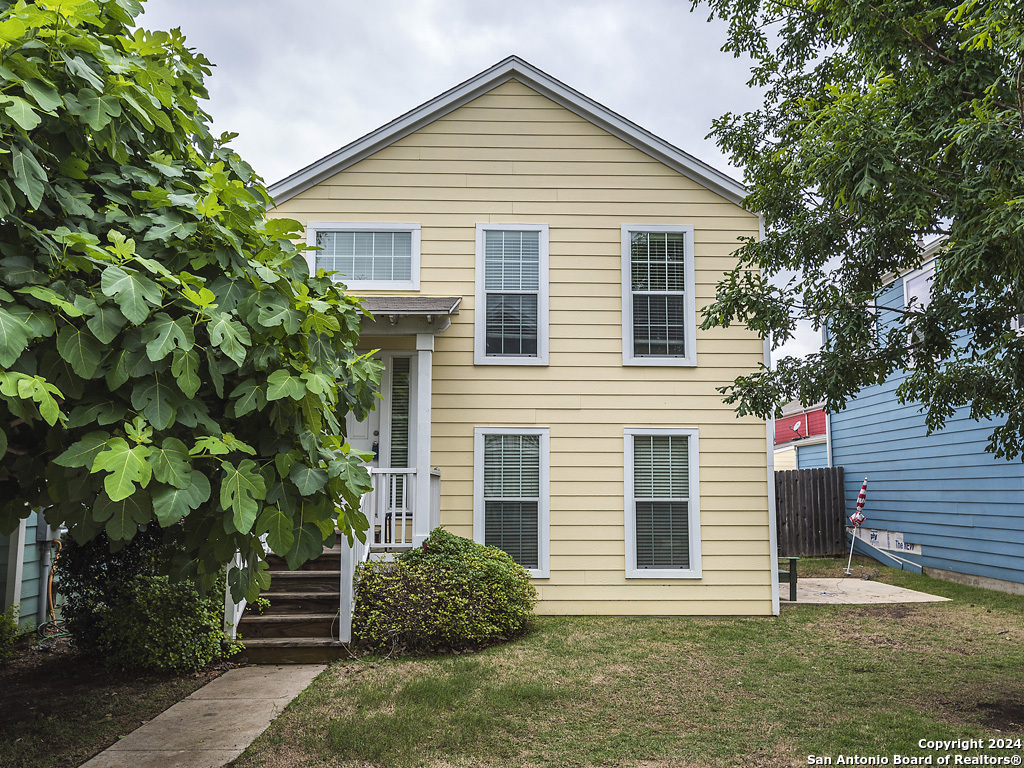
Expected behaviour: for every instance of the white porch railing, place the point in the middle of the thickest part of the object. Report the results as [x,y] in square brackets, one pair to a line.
[389,507]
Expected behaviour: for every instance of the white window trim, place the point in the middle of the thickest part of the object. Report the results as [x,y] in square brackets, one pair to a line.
[543,505]
[480,316]
[924,269]
[928,266]
[695,569]
[690,309]
[314,227]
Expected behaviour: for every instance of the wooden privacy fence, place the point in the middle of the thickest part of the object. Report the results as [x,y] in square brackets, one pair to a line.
[809,508]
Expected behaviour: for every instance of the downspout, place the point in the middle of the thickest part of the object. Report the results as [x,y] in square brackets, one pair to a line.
[828,437]
[773,535]
[45,561]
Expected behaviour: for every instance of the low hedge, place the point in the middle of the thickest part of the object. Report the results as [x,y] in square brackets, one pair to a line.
[449,593]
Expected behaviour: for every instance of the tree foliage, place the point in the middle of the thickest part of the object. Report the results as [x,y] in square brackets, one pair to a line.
[165,357]
[884,123]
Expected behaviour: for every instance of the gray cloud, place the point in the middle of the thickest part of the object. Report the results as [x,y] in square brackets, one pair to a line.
[297,83]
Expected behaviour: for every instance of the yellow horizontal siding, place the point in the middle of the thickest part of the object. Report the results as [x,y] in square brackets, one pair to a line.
[513,156]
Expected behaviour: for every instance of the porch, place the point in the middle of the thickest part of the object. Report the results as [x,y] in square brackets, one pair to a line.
[310,613]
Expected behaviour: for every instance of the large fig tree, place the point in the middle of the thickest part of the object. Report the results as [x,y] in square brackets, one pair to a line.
[165,357]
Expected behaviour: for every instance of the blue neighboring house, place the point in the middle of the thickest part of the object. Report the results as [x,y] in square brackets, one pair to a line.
[936,501]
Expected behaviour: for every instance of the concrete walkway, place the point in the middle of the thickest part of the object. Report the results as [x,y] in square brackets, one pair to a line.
[854,591]
[213,725]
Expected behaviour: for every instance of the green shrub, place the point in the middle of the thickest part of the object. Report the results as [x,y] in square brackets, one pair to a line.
[449,593]
[154,623]
[120,606]
[9,633]
[90,577]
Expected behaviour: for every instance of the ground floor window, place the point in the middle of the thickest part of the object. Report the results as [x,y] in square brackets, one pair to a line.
[662,503]
[511,498]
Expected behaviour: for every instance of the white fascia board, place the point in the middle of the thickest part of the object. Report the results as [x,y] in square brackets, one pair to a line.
[511,68]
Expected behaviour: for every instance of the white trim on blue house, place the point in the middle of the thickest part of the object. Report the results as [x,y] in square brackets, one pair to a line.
[511,68]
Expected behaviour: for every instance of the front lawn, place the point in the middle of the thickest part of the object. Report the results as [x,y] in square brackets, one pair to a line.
[821,680]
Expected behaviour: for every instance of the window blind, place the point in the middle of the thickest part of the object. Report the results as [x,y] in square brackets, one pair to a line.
[658,284]
[661,492]
[366,255]
[400,408]
[512,496]
[511,286]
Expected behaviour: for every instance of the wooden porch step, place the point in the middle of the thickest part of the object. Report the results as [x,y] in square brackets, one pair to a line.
[299,603]
[304,581]
[330,560]
[288,625]
[293,650]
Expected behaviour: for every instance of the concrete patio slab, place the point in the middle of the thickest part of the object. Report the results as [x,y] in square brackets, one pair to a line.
[215,724]
[855,591]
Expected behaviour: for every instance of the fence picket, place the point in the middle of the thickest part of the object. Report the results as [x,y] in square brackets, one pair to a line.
[809,508]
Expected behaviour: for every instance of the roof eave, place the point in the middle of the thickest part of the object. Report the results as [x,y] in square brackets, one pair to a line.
[508,69]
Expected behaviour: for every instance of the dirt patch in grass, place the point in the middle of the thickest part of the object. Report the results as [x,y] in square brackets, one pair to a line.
[59,707]
[1003,715]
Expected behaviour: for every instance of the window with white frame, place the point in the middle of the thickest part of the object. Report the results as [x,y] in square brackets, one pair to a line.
[510,495]
[658,308]
[917,295]
[367,256]
[662,503]
[511,294]
[917,287]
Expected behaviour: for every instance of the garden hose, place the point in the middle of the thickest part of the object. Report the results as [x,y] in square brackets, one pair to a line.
[55,627]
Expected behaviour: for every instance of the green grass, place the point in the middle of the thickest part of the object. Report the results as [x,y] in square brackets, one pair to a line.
[577,691]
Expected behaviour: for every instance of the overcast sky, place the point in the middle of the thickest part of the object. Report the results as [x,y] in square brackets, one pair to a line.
[298,80]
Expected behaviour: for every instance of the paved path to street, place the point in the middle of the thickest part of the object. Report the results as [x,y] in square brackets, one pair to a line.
[853,591]
[213,725]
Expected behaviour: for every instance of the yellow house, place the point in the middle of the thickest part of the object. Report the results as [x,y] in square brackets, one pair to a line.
[535,265]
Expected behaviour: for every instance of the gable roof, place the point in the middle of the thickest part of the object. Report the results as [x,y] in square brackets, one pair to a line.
[512,68]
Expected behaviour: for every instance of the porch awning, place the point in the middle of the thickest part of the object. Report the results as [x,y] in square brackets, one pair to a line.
[404,315]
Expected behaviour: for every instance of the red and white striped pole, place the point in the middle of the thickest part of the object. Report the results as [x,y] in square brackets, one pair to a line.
[856,519]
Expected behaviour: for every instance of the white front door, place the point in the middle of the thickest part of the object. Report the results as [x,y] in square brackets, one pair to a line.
[365,435]
[388,431]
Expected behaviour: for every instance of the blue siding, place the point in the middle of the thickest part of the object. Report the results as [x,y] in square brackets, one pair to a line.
[812,456]
[31,577]
[943,491]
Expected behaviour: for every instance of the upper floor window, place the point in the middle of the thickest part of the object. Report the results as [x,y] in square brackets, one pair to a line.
[917,295]
[658,309]
[511,294]
[381,256]
[917,287]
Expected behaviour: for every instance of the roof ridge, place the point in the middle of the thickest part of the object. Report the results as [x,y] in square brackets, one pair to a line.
[511,67]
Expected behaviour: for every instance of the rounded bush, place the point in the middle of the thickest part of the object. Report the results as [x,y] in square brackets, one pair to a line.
[160,625]
[118,605]
[449,593]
